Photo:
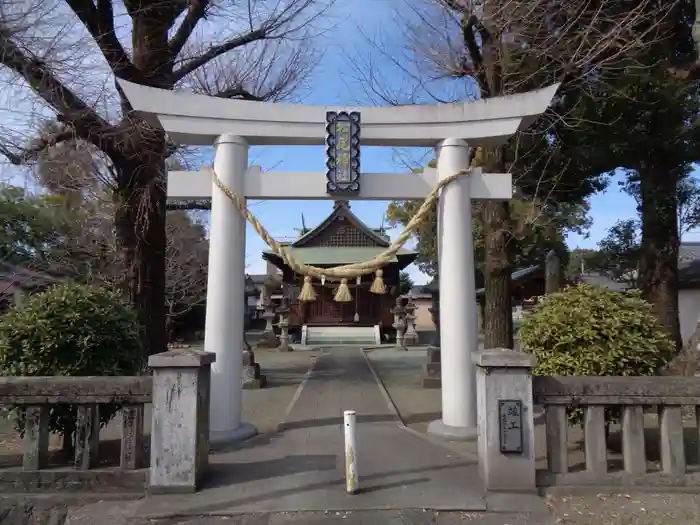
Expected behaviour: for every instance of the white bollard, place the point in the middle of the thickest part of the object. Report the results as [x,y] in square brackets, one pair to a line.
[351,479]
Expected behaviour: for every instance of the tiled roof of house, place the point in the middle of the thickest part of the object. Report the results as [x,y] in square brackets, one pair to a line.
[517,275]
[597,279]
[689,265]
[25,277]
[14,277]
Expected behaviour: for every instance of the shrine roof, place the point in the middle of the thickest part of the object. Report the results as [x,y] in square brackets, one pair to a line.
[332,256]
[341,211]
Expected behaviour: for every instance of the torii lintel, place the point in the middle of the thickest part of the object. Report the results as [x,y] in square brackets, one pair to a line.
[194,119]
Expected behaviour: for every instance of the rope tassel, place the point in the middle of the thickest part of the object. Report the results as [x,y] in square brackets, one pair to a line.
[343,294]
[307,291]
[378,283]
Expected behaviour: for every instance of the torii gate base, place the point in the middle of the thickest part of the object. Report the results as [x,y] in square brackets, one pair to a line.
[234,125]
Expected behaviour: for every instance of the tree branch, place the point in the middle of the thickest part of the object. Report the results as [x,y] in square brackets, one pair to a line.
[188,205]
[239,93]
[469,38]
[70,107]
[99,21]
[30,153]
[196,11]
[692,72]
[215,51]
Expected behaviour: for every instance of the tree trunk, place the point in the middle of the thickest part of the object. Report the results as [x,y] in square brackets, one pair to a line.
[498,313]
[658,268]
[140,200]
[686,362]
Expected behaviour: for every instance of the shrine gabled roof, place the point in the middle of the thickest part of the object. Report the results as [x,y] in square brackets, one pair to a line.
[342,209]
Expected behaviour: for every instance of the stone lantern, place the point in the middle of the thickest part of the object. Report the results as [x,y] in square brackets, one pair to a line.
[431,373]
[268,339]
[411,336]
[284,311]
[399,312]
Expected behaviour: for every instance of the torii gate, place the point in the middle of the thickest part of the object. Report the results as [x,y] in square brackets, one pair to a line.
[233,126]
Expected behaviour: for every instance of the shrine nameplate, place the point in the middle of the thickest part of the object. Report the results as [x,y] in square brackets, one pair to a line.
[343,153]
[510,423]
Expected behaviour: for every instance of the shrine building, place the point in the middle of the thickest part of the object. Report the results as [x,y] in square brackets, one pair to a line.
[342,238]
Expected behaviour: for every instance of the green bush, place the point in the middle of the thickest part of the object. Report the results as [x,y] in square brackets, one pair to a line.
[71,330]
[590,331]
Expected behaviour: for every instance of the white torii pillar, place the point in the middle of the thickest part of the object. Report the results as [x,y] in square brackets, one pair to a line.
[233,125]
[225,311]
[458,325]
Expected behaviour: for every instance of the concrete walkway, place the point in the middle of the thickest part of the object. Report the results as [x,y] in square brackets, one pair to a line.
[302,468]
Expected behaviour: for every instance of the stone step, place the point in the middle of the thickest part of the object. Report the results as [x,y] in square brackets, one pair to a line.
[340,335]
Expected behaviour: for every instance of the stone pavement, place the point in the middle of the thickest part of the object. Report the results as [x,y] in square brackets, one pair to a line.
[302,468]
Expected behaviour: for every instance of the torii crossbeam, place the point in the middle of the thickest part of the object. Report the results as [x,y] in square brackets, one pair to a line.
[232,126]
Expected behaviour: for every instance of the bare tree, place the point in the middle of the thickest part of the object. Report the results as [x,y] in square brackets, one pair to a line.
[186,266]
[461,49]
[67,53]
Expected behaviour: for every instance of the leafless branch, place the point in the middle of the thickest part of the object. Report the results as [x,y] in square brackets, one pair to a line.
[196,11]
[289,21]
[98,19]
[186,264]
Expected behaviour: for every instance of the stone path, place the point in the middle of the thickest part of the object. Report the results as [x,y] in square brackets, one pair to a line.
[302,468]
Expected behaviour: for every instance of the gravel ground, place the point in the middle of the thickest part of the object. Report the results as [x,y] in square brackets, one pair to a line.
[626,509]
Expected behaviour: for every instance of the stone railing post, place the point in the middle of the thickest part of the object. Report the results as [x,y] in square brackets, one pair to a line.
[180,428]
[506,437]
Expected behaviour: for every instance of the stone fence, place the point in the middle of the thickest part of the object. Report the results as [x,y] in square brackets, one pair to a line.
[643,406]
[37,395]
[179,393]
[654,417]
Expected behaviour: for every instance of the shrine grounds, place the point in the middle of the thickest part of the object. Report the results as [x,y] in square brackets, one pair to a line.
[399,373]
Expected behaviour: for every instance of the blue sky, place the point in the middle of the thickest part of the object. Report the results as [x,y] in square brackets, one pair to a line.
[334,83]
[357,23]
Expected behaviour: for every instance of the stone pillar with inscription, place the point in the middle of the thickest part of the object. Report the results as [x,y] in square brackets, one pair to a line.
[180,420]
[553,273]
[506,430]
